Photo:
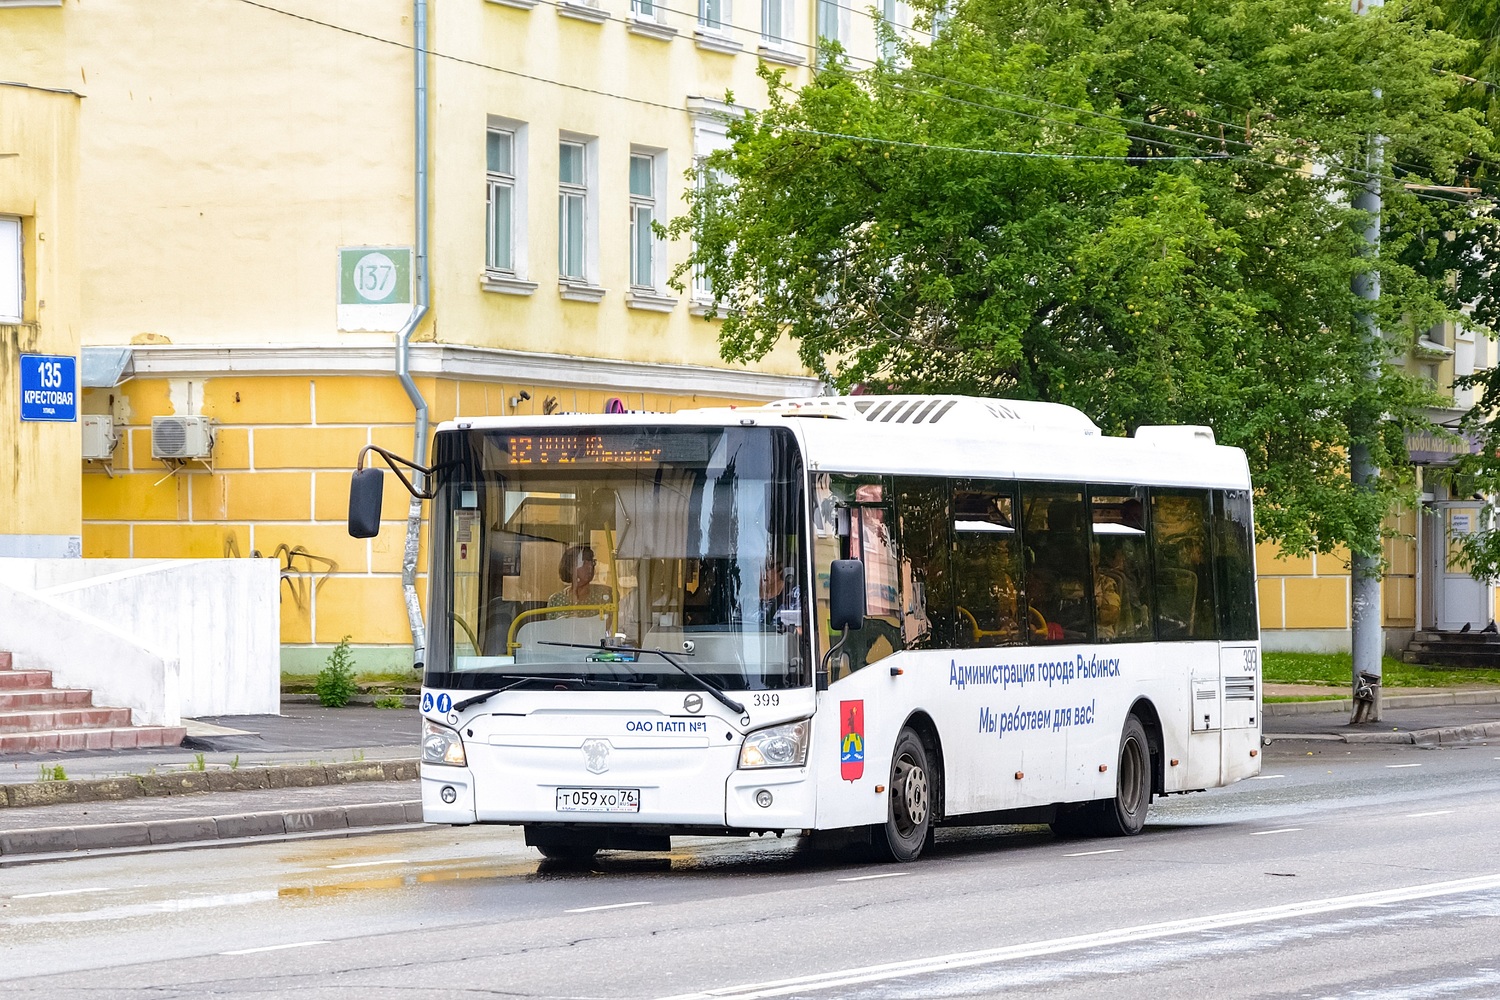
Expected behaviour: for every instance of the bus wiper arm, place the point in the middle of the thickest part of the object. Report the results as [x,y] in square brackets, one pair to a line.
[519,679]
[702,682]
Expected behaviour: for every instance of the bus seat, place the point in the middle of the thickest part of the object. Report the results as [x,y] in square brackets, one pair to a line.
[531,635]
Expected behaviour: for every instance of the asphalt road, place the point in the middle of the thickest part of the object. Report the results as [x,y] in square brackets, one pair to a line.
[1344,871]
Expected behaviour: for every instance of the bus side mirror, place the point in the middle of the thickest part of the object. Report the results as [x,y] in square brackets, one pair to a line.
[846,594]
[366,491]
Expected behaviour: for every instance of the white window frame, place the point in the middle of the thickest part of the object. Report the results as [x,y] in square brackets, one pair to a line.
[834,14]
[651,295]
[777,37]
[710,134]
[585,286]
[512,280]
[649,18]
[724,21]
[12,270]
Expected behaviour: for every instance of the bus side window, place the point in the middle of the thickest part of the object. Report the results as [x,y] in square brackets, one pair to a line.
[986,566]
[1234,565]
[1122,564]
[1059,588]
[926,587]
[859,501]
[1184,583]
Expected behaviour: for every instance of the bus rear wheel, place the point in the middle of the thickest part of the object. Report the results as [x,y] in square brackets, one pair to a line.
[1125,814]
[907,829]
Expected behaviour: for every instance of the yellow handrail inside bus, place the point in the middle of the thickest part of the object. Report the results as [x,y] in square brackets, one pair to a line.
[1039,627]
[511,645]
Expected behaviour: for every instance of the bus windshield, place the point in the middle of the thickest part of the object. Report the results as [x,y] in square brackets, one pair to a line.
[558,555]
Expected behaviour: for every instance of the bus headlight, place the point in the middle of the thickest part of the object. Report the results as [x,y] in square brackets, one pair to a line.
[777,746]
[441,745]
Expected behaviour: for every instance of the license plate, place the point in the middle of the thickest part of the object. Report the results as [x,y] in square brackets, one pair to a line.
[602,800]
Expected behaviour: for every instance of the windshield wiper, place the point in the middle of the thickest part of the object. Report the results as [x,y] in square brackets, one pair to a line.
[519,679]
[702,682]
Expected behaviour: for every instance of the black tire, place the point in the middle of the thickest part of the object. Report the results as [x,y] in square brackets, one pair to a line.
[907,829]
[1125,814]
[573,853]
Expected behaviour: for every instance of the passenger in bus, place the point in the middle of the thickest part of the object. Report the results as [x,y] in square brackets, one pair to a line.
[778,593]
[581,594]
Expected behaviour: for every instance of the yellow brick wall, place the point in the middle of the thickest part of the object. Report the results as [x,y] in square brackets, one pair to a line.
[284,447]
[1312,592]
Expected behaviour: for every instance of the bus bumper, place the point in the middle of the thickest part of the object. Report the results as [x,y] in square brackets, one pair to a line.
[770,799]
[441,783]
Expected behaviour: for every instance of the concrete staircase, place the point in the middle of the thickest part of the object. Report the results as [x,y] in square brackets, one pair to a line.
[37,717]
[1454,649]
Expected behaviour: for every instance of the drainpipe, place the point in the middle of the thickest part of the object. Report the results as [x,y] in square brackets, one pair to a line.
[403,343]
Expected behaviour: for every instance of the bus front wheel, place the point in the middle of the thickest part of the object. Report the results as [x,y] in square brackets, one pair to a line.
[575,853]
[907,829]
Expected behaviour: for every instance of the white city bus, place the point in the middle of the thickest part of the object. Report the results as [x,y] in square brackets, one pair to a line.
[636,622]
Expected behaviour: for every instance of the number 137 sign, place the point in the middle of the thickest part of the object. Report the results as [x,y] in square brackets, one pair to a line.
[375,290]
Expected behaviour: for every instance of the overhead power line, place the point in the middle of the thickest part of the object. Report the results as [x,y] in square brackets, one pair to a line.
[1193,153]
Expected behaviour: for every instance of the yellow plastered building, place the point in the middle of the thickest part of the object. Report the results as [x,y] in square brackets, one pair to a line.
[216,209]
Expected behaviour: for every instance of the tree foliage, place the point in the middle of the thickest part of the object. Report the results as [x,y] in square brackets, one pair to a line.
[1141,208]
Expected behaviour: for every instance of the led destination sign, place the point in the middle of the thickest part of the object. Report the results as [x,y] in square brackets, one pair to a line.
[604,448]
[579,449]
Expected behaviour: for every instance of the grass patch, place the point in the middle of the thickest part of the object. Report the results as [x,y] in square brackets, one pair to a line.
[1282,699]
[405,682]
[1335,669]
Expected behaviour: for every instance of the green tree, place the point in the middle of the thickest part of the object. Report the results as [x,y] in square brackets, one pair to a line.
[1460,246]
[1140,208]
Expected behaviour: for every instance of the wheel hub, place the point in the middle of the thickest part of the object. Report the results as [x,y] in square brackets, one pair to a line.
[912,800]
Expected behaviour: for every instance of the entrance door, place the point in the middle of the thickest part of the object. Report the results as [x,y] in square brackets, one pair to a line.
[1457,598]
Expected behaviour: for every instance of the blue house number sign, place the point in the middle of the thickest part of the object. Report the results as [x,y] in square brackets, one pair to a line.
[49,387]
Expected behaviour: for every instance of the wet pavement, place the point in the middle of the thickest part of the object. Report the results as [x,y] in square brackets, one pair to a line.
[308,734]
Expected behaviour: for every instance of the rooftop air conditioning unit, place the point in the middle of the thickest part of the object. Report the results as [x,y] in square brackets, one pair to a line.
[99,437]
[181,437]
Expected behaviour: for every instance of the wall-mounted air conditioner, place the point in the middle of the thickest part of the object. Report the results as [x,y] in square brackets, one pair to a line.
[99,437]
[181,438]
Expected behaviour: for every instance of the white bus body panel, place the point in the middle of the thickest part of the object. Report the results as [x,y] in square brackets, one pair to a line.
[987,706]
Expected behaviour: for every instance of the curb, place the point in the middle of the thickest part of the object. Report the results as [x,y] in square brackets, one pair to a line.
[164,833]
[1419,737]
[48,793]
[1346,705]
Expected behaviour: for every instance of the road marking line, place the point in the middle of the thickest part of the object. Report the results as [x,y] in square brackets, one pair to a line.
[146,909]
[1101,939]
[1265,777]
[1086,854]
[272,947]
[370,864]
[1440,812]
[866,878]
[611,906]
[1267,833]
[58,892]
[1412,765]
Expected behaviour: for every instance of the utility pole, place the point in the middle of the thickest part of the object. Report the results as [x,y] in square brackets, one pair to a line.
[1367,645]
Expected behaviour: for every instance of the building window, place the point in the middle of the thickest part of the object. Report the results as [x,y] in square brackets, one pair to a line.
[643,8]
[713,13]
[643,212]
[500,178]
[830,25]
[11,285]
[891,15]
[572,210]
[774,17]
